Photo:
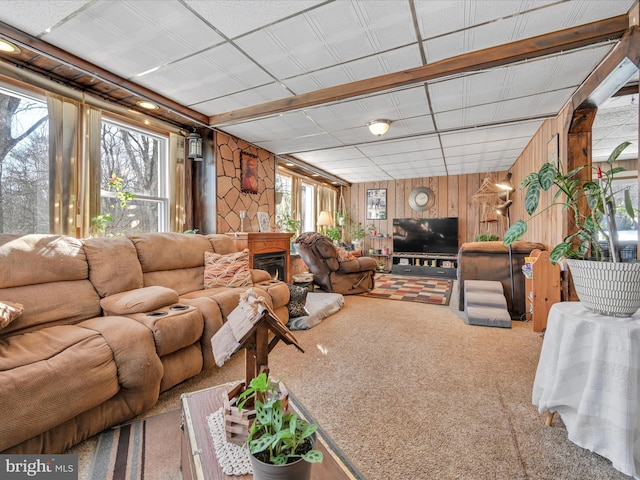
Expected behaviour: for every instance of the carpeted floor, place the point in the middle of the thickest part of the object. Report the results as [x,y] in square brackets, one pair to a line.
[409,391]
[436,291]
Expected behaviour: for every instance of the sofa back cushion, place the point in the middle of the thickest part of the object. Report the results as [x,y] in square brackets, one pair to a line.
[222,244]
[48,275]
[113,265]
[172,260]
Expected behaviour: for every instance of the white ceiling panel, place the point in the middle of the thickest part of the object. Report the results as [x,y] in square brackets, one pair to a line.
[34,19]
[371,66]
[216,57]
[507,29]
[233,18]
[130,38]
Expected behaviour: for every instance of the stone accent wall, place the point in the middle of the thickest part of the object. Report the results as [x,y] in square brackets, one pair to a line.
[229,195]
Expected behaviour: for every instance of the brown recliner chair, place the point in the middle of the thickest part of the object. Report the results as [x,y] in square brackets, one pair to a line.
[347,277]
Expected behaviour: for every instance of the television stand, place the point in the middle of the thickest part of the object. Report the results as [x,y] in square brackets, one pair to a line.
[434,265]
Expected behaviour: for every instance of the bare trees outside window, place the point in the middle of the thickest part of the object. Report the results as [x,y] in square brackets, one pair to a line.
[138,159]
[24,164]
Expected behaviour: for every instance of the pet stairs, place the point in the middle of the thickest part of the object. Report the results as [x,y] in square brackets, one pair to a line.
[485,304]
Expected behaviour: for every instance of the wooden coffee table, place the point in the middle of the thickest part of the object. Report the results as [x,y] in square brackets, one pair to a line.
[199,460]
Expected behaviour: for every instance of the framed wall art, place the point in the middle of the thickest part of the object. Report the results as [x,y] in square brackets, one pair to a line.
[377,204]
[263,222]
[553,151]
[248,173]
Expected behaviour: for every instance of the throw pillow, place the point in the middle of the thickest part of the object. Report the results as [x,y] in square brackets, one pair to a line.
[231,270]
[343,255]
[9,311]
[297,301]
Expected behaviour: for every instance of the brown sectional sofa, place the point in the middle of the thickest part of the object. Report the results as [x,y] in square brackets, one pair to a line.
[109,323]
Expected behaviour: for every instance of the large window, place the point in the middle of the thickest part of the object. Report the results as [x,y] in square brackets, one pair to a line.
[24,163]
[133,162]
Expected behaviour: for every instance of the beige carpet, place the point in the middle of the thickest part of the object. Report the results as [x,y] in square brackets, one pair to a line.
[409,391]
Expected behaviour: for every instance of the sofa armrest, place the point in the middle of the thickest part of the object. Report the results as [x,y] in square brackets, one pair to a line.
[140,300]
[259,276]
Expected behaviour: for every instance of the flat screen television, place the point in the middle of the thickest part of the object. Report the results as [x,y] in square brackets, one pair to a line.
[425,235]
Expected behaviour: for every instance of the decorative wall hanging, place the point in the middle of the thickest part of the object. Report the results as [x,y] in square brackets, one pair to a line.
[421,199]
[263,222]
[553,153]
[377,204]
[249,173]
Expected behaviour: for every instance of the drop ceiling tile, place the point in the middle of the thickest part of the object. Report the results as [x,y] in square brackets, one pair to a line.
[234,18]
[520,80]
[35,19]
[401,146]
[336,33]
[555,16]
[219,71]
[343,153]
[300,144]
[290,127]
[241,99]
[371,66]
[129,38]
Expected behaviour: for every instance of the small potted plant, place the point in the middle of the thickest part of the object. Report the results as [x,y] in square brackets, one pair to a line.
[334,233]
[582,249]
[280,442]
[357,233]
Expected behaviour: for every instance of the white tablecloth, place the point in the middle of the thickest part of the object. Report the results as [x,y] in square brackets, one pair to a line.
[589,373]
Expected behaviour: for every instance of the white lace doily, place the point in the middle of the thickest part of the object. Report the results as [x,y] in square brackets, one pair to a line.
[233,459]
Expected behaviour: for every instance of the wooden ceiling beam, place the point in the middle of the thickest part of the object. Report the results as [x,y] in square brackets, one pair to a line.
[562,40]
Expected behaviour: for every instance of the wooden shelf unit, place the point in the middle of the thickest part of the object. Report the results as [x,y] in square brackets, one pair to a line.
[542,289]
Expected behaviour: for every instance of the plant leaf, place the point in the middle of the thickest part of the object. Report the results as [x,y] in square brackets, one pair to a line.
[515,232]
[547,175]
[532,197]
[279,459]
[628,205]
[558,252]
[617,151]
[260,444]
[313,456]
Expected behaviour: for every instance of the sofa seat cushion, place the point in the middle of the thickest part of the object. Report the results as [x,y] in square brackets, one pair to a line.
[50,376]
[358,265]
[140,300]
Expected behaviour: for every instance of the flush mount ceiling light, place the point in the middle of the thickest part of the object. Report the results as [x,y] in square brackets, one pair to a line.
[379,127]
[8,47]
[147,105]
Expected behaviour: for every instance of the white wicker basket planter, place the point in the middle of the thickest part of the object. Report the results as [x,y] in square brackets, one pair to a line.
[607,288]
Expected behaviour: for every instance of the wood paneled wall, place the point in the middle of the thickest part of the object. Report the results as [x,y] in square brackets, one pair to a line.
[545,227]
[453,198]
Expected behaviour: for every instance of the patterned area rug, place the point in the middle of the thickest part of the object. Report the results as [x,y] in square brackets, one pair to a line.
[145,449]
[436,291]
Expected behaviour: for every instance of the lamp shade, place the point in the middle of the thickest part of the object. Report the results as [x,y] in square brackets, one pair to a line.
[379,127]
[505,183]
[325,219]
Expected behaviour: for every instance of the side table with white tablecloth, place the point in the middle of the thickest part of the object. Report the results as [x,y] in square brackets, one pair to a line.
[589,373]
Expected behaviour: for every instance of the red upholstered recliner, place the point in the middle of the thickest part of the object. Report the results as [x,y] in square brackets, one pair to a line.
[347,277]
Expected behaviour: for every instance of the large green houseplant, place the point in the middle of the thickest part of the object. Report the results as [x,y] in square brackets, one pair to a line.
[280,442]
[582,248]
